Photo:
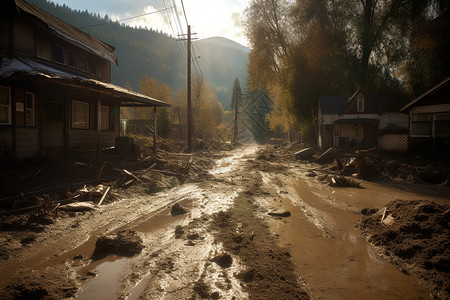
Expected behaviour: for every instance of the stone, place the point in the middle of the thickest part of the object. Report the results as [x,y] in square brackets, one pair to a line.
[177,210]
[122,243]
[280,213]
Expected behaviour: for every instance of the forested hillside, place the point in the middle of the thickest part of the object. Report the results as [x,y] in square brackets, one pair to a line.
[143,51]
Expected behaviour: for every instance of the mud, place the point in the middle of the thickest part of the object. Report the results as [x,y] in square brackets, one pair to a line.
[225,245]
[415,236]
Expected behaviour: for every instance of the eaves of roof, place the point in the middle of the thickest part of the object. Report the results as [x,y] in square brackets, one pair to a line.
[27,67]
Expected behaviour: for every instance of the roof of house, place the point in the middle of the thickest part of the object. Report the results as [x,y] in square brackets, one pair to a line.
[428,94]
[23,66]
[68,32]
[335,105]
[332,105]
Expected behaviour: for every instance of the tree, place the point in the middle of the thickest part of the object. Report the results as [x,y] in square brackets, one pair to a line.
[306,48]
[429,62]
[207,111]
[151,87]
[236,102]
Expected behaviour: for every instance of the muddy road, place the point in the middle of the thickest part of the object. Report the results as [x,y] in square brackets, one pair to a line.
[256,227]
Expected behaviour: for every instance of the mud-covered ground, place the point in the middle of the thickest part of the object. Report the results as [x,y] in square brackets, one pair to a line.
[252,223]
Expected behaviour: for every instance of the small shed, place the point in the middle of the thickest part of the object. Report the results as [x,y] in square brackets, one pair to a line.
[429,121]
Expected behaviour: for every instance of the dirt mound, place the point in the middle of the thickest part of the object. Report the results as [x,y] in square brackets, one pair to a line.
[414,235]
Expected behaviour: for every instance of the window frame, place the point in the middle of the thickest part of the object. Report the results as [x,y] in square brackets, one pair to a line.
[360,104]
[73,124]
[54,57]
[417,122]
[8,106]
[32,110]
[70,53]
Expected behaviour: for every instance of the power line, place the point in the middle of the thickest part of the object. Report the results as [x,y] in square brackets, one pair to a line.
[146,14]
[184,12]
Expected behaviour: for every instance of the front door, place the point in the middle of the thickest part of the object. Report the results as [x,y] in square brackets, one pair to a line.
[53,124]
[370,134]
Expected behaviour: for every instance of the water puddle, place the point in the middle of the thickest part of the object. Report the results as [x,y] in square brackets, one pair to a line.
[340,265]
[105,284]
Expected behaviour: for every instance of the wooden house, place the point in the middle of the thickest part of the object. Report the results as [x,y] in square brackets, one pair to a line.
[55,85]
[429,121]
[357,121]
[328,112]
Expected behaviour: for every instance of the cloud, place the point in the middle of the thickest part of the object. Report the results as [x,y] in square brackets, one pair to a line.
[236,17]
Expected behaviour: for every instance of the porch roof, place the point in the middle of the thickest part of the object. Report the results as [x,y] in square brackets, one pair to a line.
[26,67]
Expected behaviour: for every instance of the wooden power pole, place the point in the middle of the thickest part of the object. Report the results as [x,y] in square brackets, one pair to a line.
[189,100]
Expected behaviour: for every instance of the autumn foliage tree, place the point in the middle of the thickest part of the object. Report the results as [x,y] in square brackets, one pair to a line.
[306,48]
[207,111]
[160,91]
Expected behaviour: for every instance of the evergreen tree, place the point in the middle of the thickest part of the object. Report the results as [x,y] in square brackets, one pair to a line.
[236,102]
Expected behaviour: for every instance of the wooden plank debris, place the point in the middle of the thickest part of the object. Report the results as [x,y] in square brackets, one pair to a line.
[104,196]
[384,214]
[102,168]
[132,175]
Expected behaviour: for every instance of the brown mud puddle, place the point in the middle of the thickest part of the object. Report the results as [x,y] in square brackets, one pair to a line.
[330,254]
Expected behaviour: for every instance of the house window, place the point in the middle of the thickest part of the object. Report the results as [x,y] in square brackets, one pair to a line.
[5,105]
[58,54]
[360,104]
[92,67]
[442,125]
[421,125]
[72,59]
[105,117]
[82,62]
[30,109]
[80,115]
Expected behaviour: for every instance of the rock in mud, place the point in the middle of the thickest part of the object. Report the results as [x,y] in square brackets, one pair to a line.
[123,243]
[304,154]
[178,210]
[280,213]
[224,260]
[179,231]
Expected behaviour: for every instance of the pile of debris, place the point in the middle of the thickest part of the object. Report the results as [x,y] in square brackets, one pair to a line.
[415,236]
[370,164]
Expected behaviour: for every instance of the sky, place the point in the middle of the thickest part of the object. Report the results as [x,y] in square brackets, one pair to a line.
[208,18]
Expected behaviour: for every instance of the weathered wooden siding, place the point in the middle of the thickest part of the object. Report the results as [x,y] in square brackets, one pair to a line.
[4,29]
[27,142]
[23,37]
[6,140]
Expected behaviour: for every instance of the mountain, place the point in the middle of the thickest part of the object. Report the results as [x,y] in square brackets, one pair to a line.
[221,41]
[221,61]
[143,51]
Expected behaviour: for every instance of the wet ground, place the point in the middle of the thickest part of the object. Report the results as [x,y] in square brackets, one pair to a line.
[227,245]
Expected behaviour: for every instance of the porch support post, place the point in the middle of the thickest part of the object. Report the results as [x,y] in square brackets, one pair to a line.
[99,126]
[154,129]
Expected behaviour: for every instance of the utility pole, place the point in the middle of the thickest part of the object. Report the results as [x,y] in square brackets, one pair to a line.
[190,123]
[189,100]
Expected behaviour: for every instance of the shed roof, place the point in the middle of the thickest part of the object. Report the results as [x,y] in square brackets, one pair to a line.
[26,67]
[436,89]
[68,32]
